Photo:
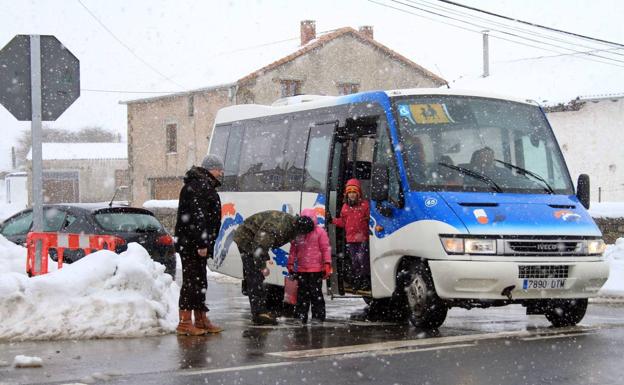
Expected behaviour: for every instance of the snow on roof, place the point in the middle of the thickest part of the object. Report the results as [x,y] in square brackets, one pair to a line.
[67,151]
[549,81]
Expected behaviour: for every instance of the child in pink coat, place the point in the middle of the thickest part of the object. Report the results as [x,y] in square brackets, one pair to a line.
[310,260]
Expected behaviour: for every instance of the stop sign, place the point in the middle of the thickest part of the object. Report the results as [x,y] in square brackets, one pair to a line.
[60,78]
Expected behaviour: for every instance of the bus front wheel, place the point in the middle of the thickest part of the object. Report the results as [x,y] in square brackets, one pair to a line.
[427,310]
[566,312]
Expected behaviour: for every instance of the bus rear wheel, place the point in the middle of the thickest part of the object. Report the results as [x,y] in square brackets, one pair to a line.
[566,312]
[427,310]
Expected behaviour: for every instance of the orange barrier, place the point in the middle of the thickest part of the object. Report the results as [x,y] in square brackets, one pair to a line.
[64,241]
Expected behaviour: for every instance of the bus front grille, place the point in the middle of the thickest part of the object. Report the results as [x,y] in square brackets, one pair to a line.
[543,247]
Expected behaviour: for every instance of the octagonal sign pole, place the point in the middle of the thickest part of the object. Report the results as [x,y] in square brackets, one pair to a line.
[39,80]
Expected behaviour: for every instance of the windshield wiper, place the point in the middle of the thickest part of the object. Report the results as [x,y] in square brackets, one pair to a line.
[475,175]
[526,172]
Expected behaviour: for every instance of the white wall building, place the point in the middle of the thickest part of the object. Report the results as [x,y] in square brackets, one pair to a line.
[15,189]
[589,132]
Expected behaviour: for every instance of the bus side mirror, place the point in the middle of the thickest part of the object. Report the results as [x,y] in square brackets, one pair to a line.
[582,190]
[380,181]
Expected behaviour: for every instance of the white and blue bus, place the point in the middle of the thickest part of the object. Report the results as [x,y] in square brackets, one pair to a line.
[471,201]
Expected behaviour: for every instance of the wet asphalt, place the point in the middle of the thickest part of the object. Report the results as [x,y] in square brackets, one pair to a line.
[491,346]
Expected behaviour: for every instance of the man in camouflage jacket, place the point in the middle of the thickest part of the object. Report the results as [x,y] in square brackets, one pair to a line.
[257,235]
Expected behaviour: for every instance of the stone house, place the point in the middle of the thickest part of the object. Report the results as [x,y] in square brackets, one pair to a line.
[168,134]
[82,172]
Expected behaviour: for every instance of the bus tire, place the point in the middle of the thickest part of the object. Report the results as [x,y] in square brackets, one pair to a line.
[566,312]
[427,310]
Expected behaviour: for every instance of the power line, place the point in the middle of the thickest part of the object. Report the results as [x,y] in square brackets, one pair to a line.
[443,8]
[128,48]
[551,56]
[532,24]
[267,44]
[504,32]
[216,55]
[480,32]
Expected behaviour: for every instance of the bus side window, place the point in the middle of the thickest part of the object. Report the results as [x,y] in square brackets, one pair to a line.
[294,156]
[261,165]
[219,141]
[232,156]
[385,155]
[317,158]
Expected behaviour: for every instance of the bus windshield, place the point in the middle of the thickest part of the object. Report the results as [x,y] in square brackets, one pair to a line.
[461,143]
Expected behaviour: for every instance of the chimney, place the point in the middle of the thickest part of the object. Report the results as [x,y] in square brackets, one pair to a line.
[367,31]
[308,31]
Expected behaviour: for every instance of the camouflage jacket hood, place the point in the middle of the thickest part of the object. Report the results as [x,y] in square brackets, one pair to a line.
[265,230]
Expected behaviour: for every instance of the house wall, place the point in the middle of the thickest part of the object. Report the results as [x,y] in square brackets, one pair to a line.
[590,142]
[343,60]
[96,177]
[149,161]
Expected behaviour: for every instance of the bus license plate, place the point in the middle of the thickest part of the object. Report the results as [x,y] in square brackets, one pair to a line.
[543,283]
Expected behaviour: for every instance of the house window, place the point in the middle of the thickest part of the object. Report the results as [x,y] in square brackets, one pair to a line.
[348,88]
[191,105]
[172,138]
[290,87]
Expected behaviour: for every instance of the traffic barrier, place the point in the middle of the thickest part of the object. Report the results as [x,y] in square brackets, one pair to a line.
[64,241]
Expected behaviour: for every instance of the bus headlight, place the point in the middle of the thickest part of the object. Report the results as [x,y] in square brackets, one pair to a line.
[596,246]
[468,245]
[480,246]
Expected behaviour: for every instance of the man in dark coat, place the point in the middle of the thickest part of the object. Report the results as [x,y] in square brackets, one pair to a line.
[197,227]
[257,235]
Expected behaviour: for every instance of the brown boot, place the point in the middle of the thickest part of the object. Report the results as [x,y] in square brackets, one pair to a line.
[203,322]
[186,327]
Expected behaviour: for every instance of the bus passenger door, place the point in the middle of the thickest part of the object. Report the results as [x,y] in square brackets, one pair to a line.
[318,170]
[352,158]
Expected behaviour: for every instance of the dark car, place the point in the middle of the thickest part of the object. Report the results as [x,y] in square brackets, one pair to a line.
[129,223]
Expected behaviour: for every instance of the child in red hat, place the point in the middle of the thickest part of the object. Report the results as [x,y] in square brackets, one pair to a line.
[354,218]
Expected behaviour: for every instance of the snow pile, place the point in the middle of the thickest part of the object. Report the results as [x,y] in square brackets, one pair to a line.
[8,209]
[27,362]
[102,295]
[13,258]
[615,256]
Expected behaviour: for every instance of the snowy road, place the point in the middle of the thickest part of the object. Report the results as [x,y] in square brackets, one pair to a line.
[473,347]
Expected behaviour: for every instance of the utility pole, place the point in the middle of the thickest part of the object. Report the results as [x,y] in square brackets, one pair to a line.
[486,54]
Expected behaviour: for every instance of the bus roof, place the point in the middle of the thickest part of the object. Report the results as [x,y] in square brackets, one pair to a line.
[310,102]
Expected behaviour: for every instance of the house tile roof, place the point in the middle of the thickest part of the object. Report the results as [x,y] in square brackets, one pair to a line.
[324,39]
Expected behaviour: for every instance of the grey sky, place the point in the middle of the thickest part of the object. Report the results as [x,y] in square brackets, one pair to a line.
[183,44]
